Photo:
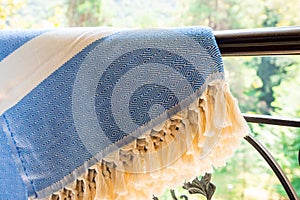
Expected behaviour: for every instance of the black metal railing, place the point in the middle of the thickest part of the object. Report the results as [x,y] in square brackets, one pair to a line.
[273,120]
[263,151]
[258,42]
[255,42]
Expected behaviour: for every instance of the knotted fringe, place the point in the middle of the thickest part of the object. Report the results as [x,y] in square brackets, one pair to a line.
[192,142]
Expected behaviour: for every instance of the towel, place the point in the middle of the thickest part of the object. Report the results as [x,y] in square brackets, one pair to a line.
[104,113]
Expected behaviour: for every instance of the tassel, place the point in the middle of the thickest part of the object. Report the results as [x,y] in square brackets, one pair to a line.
[190,143]
[101,185]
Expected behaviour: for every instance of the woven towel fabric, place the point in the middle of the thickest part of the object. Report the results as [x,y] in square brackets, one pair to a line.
[70,97]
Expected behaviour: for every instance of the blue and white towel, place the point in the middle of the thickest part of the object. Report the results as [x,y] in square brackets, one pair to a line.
[69,98]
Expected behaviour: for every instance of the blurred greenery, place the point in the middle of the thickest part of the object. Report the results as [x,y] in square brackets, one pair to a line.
[264,85]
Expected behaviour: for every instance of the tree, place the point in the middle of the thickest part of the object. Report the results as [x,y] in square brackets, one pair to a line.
[8,12]
[84,13]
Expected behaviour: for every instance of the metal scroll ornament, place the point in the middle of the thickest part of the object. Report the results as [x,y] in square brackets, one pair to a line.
[203,187]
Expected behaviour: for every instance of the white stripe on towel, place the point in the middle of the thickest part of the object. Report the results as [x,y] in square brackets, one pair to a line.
[26,67]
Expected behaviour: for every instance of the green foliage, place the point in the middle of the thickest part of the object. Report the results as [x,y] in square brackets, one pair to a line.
[9,12]
[271,71]
[215,14]
[84,13]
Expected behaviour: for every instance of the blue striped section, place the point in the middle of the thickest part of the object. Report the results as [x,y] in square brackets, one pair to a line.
[112,91]
[10,40]
[42,126]
[148,96]
[207,40]
[11,184]
[120,67]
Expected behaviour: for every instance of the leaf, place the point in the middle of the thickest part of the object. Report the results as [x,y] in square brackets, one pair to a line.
[202,186]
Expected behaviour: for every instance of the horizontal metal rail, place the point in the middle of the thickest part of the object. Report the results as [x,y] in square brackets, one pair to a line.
[273,120]
[256,42]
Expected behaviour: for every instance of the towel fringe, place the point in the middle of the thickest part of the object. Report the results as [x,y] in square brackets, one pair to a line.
[190,143]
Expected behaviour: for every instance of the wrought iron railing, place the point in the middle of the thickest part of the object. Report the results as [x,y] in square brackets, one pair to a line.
[271,161]
[255,42]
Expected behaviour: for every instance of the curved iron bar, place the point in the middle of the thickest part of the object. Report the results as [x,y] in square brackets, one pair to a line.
[181,196]
[264,119]
[299,157]
[274,165]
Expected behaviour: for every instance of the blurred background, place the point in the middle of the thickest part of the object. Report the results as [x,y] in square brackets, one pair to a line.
[262,85]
